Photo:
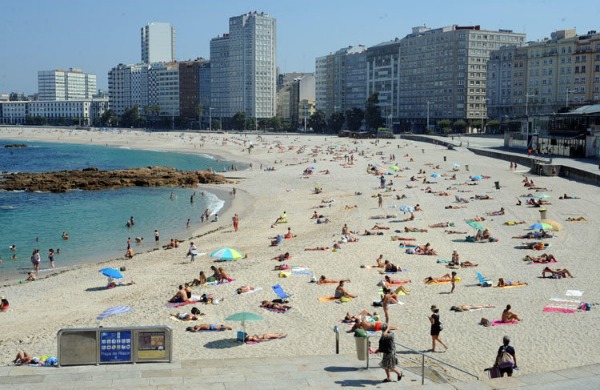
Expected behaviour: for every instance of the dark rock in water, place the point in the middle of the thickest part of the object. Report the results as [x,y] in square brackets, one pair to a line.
[15,146]
[90,179]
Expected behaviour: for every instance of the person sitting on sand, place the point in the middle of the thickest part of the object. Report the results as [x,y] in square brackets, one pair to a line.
[323,280]
[274,305]
[172,244]
[282,257]
[443,278]
[278,239]
[408,229]
[289,233]
[576,219]
[30,277]
[281,219]
[4,304]
[390,267]
[316,215]
[245,289]
[179,297]
[507,283]
[442,225]
[380,262]
[470,307]
[224,275]
[263,337]
[187,316]
[205,327]
[340,291]
[129,254]
[557,273]
[372,326]
[509,316]
[427,250]
[317,248]
[200,281]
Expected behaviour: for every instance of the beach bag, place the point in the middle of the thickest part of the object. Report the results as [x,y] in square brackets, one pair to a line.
[485,322]
[505,359]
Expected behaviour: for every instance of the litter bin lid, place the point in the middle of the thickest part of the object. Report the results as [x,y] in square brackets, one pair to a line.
[360,333]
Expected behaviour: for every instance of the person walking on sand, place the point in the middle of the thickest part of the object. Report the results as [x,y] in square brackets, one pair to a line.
[192,251]
[506,359]
[453,282]
[436,328]
[380,200]
[236,221]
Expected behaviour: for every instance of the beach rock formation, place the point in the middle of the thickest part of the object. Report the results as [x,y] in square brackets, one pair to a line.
[91,179]
[10,146]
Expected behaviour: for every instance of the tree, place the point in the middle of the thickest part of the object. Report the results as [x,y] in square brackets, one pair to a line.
[354,118]
[494,125]
[273,123]
[250,124]
[460,126]
[445,125]
[373,117]
[317,121]
[131,117]
[108,117]
[199,109]
[336,121]
[238,121]
[215,124]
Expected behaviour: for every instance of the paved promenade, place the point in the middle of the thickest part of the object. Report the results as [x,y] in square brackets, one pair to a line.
[305,372]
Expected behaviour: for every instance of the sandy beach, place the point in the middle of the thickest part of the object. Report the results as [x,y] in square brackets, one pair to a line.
[543,340]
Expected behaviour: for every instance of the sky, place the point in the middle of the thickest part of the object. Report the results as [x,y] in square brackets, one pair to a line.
[97,35]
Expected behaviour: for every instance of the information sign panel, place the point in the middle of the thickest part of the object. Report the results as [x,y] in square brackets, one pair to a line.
[115,346]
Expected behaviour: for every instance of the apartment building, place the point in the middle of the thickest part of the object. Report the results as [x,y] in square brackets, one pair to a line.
[72,84]
[158,43]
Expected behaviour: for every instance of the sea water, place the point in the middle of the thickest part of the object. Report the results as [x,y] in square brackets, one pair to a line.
[94,220]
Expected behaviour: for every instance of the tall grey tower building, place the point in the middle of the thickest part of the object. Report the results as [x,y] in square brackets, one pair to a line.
[243,65]
[158,43]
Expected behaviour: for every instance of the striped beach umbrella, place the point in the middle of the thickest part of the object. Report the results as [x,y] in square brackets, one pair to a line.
[226,254]
[111,311]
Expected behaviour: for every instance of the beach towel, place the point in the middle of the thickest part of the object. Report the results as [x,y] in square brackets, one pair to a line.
[216,283]
[565,310]
[249,292]
[499,322]
[328,299]
[443,261]
[180,304]
[539,262]
[393,273]
[276,310]
[512,286]
[574,293]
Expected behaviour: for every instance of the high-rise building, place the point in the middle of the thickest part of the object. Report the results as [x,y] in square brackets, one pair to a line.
[443,73]
[383,70]
[128,86]
[341,80]
[190,85]
[243,67]
[158,43]
[70,84]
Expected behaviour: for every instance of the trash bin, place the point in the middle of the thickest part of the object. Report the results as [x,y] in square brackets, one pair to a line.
[444,158]
[542,213]
[423,150]
[467,167]
[362,345]
[497,184]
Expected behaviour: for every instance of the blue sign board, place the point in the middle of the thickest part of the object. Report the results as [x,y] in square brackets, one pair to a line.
[115,346]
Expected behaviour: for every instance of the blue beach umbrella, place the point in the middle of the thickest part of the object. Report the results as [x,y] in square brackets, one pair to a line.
[456,165]
[111,273]
[541,226]
[435,175]
[111,311]
[226,254]
[478,177]
[406,209]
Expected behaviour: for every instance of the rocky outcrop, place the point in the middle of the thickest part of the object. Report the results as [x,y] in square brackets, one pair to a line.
[91,179]
[15,146]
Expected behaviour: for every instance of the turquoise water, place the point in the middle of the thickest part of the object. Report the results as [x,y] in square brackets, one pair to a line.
[94,220]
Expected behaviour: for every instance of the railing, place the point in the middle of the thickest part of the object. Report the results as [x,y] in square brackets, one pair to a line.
[423,356]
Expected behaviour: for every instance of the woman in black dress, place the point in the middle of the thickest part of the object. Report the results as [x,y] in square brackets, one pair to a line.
[436,328]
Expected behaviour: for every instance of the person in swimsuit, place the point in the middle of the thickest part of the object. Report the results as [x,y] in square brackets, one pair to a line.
[264,337]
[372,326]
[210,327]
[509,316]
[340,291]
[180,296]
[274,305]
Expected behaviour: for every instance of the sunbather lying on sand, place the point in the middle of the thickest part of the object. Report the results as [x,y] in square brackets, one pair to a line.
[576,219]
[317,248]
[511,223]
[369,233]
[442,225]
[565,196]
[455,207]
[187,316]
[443,278]
[264,337]
[388,281]
[503,283]
[274,305]
[358,318]
[454,232]
[323,280]
[470,307]
[563,273]
[408,229]
[396,238]
[282,257]
[544,258]
[201,327]
[531,235]
[245,289]
[372,326]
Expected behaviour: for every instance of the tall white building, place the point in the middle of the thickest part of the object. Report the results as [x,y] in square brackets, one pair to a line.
[243,67]
[158,43]
[128,86]
[70,84]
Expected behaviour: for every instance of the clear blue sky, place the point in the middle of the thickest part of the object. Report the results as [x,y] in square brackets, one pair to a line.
[97,35]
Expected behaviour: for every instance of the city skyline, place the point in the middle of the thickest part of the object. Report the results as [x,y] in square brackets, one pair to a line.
[95,37]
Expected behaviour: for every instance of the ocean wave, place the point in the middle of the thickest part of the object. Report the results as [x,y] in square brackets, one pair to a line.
[213,203]
[7,207]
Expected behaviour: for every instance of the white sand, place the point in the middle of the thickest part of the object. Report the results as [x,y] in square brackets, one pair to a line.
[543,341]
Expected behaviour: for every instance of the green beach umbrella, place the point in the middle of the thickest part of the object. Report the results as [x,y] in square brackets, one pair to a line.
[475,224]
[394,167]
[542,196]
[243,317]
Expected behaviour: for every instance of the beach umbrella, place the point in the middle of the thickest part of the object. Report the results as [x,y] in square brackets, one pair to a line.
[456,165]
[435,175]
[474,224]
[556,226]
[394,167]
[111,311]
[111,273]
[477,177]
[541,226]
[243,317]
[226,254]
[542,196]
[406,209]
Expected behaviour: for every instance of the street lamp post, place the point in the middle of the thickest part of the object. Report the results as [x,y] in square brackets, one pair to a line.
[567,101]
[484,114]
[305,112]
[427,129]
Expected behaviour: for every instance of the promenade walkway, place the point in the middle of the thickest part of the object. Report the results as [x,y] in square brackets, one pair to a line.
[303,372]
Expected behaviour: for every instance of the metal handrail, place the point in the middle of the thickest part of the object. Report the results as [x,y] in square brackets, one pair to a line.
[423,355]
